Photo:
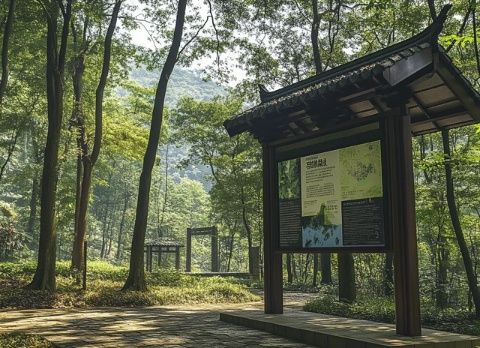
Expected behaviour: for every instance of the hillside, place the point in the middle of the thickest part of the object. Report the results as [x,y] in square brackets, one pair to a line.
[183,83]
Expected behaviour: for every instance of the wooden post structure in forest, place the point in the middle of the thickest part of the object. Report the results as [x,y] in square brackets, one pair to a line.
[203,231]
[337,159]
[162,246]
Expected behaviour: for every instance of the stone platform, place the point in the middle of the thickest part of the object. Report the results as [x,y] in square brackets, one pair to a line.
[328,331]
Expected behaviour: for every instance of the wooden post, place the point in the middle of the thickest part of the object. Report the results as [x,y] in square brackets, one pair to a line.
[214,247]
[272,260]
[84,283]
[177,258]
[188,255]
[401,215]
[159,261]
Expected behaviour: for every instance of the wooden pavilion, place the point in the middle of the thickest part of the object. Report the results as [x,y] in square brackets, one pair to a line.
[407,89]
[162,246]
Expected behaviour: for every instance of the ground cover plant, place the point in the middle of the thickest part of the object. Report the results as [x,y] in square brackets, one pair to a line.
[104,283]
[21,340]
[380,309]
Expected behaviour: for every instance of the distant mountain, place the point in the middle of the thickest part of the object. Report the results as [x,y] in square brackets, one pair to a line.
[183,83]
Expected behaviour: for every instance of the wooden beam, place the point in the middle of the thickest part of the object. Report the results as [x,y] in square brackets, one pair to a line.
[272,260]
[401,219]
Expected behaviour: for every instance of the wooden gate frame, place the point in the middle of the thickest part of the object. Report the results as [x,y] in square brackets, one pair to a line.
[203,231]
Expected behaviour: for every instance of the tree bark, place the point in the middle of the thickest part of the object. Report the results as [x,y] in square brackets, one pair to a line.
[289,269]
[136,274]
[44,278]
[457,227]
[317,58]
[346,278]
[89,161]
[126,202]
[6,41]
[388,275]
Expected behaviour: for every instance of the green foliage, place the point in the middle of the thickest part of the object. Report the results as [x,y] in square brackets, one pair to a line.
[22,340]
[104,283]
[382,309]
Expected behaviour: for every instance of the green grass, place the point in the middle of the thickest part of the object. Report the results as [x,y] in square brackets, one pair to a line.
[103,288]
[21,340]
[383,310]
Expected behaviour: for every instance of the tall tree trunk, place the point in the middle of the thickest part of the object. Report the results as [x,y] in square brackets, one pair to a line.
[33,206]
[317,58]
[89,161]
[388,275]
[44,278]
[441,296]
[289,269]
[346,278]
[457,227]
[136,274]
[126,202]
[248,230]
[7,32]
[11,148]
[326,268]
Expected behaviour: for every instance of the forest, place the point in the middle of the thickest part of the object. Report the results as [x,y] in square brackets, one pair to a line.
[111,132]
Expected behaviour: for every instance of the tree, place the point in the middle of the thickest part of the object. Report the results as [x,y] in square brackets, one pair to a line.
[44,278]
[457,227]
[5,45]
[136,274]
[89,160]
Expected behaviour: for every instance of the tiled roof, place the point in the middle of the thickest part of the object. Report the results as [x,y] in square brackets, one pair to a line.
[336,79]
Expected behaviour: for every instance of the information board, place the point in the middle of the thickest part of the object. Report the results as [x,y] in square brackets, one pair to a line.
[332,199]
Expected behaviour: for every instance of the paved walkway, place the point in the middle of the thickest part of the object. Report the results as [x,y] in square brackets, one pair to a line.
[165,326]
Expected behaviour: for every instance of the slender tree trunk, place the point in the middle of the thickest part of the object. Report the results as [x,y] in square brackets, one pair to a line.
[248,230]
[457,227]
[230,251]
[289,269]
[317,58]
[33,206]
[315,269]
[122,226]
[326,268]
[10,150]
[388,275]
[441,297]
[346,278]
[136,274]
[44,278]
[6,40]
[88,161]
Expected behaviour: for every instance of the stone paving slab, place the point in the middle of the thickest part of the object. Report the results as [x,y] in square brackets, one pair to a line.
[165,326]
[335,332]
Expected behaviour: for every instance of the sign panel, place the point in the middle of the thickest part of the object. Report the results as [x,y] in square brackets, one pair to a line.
[332,199]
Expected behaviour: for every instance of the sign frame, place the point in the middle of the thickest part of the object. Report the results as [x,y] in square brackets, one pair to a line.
[361,135]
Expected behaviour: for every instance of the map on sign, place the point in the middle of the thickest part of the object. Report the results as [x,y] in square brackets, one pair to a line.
[362,171]
[338,200]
